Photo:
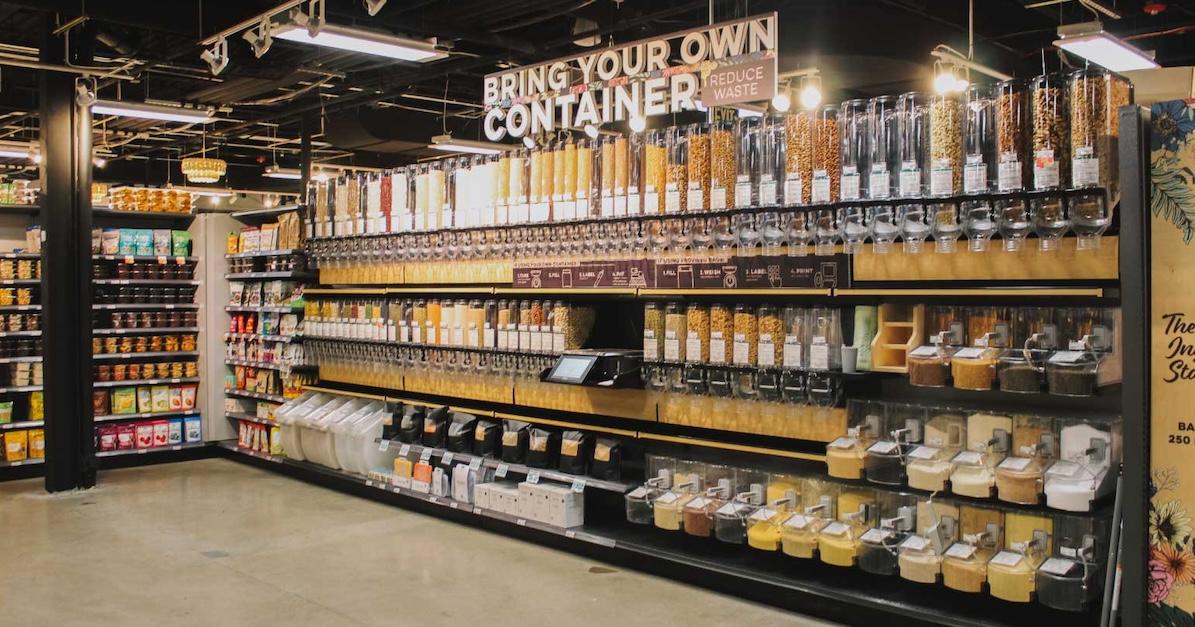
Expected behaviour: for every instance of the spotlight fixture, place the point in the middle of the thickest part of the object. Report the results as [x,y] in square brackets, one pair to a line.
[591,131]
[1090,41]
[811,92]
[373,6]
[750,111]
[216,56]
[276,172]
[947,55]
[260,39]
[448,144]
[781,101]
[638,123]
[152,111]
[99,162]
[357,40]
[528,142]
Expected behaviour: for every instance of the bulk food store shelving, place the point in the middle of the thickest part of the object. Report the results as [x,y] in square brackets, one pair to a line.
[967,471]
[21,374]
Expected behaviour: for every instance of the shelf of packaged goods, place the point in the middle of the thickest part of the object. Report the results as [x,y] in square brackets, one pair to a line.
[695,293]
[282,252]
[152,449]
[19,210]
[264,308]
[133,382]
[20,281]
[981,292]
[147,415]
[728,446]
[266,212]
[145,282]
[281,274]
[21,360]
[20,333]
[348,291]
[161,259]
[20,255]
[8,308]
[254,337]
[22,462]
[451,347]
[143,215]
[503,467]
[372,397]
[155,354]
[20,388]
[28,424]
[248,417]
[145,331]
[266,365]
[143,306]
[273,398]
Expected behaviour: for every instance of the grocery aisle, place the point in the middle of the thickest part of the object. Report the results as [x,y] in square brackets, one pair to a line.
[216,542]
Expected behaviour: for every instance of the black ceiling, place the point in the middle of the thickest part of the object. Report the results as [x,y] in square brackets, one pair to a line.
[364,107]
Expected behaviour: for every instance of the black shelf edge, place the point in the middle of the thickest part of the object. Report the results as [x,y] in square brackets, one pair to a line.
[273,398]
[17,209]
[147,355]
[105,212]
[266,212]
[145,331]
[153,449]
[236,415]
[142,306]
[147,415]
[136,382]
[253,254]
[281,274]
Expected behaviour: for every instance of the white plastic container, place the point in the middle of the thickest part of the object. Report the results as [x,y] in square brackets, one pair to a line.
[319,442]
[288,412]
[348,451]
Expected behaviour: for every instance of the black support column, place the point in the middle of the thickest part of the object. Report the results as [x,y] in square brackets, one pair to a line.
[66,266]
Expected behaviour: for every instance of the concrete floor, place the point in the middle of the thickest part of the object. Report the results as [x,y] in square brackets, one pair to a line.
[216,542]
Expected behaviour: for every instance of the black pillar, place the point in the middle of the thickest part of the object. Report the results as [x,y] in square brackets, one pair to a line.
[66,267]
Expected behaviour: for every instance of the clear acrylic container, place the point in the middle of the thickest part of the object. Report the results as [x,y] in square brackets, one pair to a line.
[819,502]
[1050,114]
[879,548]
[883,225]
[723,166]
[979,224]
[989,437]
[653,331]
[1096,96]
[1015,169]
[915,226]
[1022,367]
[883,146]
[931,464]
[946,226]
[798,158]
[772,162]
[800,233]
[838,542]
[1050,220]
[1072,578]
[980,167]
[697,330]
[1088,335]
[796,337]
[1013,222]
[965,563]
[902,431]
[1020,477]
[1089,451]
[929,365]
[1090,216]
[676,190]
[635,174]
[855,228]
[655,172]
[825,339]
[989,329]
[920,558]
[746,335]
[640,502]
[913,121]
[698,173]
[699,512]
[827,230]
[855,124]
[687,483]
[1011,572]
[845,455]
[782,497]
[770,352]
[748,144]
[826,184]
[721,334]
[946,144]
[730,521]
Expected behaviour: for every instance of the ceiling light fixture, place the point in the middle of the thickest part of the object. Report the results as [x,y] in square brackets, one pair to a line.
[591,131]
[638,123]
[148,111]
[260,39]
[781,101]
[357,40]
[528,142]
[948,55]
[448,144]
[20,150]
[276,172]
[216,56]
[1090,41]
[811,92]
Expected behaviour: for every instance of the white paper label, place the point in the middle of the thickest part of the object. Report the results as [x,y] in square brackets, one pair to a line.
[524,340]
[557,342]
[850,185]
[637,493]
[819,356]
[1015,464]
[742,353]
[1085,170]
[835,529]
[960,551]
[842,443]
[767,191]
[883,447]
[792,188]
[910,180]
[607,207]
[696,198]
[671,348]
[651,202]
[672,200]
[876,536]
[697,503]
[1009,173]
[487,338]
[742,194]
[1065,469]
[923,452]
[1007,558]
[975,176]
[1066,357]
[762,514]
[925,351]
[503,339]
[968,458]
[915,543]
[797,522]
[821,186]
[730,509]
[792,352]
[941,178]
[651,348]
[717,198]
[717,349]
[969,353]
[620,203]
[766,350]
[1057,566]
[878,184]
[666,498]
[693,347]
[1045,169]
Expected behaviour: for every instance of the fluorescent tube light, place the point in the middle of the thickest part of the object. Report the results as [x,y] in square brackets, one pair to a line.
[9,153]
[151,111]
[448,144]
[355,40]
[276,172]
[19,150]
[1090,41]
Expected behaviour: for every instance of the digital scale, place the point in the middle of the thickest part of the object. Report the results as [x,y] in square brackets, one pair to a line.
[612,368]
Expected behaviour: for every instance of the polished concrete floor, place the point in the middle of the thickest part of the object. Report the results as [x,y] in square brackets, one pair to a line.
[215,542]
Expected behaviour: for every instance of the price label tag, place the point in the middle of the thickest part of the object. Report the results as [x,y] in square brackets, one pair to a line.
[501,471]
[843,443]
[1007,558]
[923,452]
[960,551]
[404,450]
[968,458]
[425,455]
[1015,464]
[384,445]
[533,476]
[876,536]
[969,353]
[1057,566]
[579,486]
[162,260]
[915,543]
[128,259]
[797,522]
[883,447]
[835,529]
[762,514]
[447,458]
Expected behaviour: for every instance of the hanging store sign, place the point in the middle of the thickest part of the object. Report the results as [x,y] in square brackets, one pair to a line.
[725,63]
